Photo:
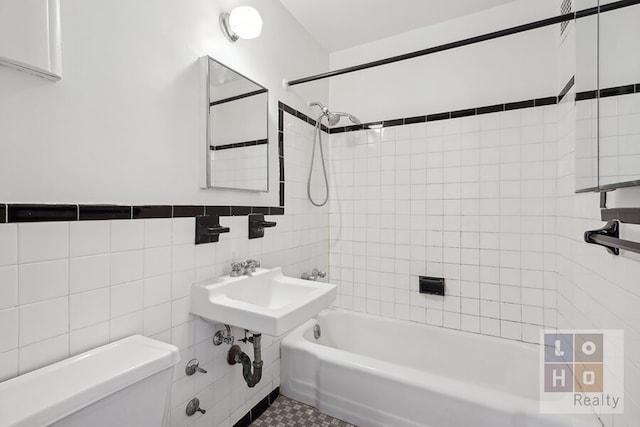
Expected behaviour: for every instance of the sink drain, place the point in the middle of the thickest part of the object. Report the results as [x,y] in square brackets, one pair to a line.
[316,331]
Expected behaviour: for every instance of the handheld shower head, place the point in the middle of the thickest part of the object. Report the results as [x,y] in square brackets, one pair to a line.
[333,119]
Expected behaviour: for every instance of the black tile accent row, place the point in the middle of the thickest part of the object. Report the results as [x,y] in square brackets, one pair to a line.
[607,92]
[258,410]
[472,40]
[238,145]
[529,103]
[235,98]
[42,212]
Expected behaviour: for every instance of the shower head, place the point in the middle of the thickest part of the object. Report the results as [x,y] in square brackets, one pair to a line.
[334,118]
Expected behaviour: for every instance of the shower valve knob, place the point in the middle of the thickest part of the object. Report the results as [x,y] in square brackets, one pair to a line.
[193,367]
[194,406]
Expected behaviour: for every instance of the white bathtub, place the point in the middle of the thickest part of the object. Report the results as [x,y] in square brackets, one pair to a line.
[372,371]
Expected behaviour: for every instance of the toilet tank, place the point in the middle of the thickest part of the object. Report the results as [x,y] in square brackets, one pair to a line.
[125,383]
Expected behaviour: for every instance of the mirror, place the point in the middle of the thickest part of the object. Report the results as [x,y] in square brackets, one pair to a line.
[237,130]
[619,102]
[607,99]
[586,84]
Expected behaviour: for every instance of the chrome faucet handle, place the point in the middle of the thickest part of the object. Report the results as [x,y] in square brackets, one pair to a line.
[307,276]
[318,273]
[252,264]
[236,269]
[194,406]
[193,367]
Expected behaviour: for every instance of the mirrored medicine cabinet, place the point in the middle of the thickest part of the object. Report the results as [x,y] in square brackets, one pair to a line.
[237,143]
[607,89]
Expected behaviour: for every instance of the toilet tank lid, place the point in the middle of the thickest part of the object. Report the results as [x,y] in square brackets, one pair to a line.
[48,394]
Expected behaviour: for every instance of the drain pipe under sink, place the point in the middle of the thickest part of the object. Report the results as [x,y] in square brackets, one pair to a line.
[236,355]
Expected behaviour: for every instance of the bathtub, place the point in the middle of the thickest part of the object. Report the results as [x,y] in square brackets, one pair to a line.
[372,371]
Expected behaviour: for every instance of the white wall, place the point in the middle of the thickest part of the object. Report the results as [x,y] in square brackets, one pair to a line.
[122,126]
[503,70]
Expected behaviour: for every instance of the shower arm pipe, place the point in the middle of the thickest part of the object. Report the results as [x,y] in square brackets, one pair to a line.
[469,41]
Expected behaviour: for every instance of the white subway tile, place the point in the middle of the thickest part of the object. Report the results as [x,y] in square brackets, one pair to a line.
[126,298]
[44,280]
[43,320]
[184,231]
[89,273]
[183,257]
[131,324]
[157,261]
[89,238]
[43,353]
[126,267]
[127,235]
[157,232]
[42,241]
[8,244]
[8,365]
[157,319]
[157,290]
[8,287]
[89,308]
[89,338]
[8,329]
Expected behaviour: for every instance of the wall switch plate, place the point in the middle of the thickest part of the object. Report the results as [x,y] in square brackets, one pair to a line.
[432,285]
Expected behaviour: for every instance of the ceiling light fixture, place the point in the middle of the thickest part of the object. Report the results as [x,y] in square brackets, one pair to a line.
[244,22]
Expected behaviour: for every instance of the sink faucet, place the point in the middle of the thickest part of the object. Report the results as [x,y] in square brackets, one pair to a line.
[244,268]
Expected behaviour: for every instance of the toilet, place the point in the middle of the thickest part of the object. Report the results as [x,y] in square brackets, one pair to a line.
[125,383]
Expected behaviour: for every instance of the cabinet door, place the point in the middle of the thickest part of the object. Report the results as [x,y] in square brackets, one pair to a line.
[30,36]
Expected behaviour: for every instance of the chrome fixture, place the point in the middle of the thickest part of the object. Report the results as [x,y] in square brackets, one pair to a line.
[317,332]
[192,367]
[220,337]
[315,274]
[251,265]
[236,355]
[332,118]
[194,406]
[244,22]
[244,268]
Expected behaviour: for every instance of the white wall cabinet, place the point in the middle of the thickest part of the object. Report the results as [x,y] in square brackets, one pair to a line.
[30,36]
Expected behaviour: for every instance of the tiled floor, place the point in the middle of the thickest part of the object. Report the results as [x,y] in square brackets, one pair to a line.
[285,412]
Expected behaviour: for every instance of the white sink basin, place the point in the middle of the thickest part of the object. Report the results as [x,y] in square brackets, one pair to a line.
[266,302]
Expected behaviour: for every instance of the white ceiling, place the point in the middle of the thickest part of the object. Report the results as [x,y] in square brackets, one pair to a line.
[341,24]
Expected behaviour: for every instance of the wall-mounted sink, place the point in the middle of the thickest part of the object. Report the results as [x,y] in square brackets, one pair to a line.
[266,302]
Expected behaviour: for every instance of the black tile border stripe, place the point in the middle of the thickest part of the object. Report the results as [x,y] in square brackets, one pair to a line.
[608,92]
[239,145]
[469,41]
[101,212]
[258,409]
[19,213]
[477,111]
[40,213]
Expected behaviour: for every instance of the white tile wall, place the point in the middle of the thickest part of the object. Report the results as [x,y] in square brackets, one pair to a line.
[69,287]
[469,199]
